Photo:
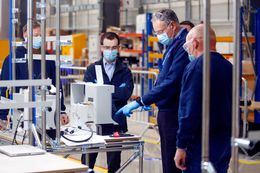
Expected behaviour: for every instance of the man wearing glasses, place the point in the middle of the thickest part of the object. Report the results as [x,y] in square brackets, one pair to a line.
[117,74]
[166,91]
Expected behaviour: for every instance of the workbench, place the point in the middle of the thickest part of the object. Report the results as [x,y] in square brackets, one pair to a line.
[39,163]
[110,144]
[134,144]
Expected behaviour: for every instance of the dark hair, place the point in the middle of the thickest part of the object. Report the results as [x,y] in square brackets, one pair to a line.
[187,22]
[166,15]
[35,24]
[109,36]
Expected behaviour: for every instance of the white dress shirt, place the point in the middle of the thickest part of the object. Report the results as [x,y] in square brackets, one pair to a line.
[109,68]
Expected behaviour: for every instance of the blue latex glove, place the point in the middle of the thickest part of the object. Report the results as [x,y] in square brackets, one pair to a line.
[146,108]
[127,109]
[122,85]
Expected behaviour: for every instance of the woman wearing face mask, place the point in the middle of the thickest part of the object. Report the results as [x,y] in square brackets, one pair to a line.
[117,74]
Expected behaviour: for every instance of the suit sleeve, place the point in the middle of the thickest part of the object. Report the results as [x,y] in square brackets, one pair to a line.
[190,108]
[90,74]
[122,94]
[171,84]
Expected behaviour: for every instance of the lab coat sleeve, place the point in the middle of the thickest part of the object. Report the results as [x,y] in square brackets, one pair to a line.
[171,84]
[190,108]
[123,93]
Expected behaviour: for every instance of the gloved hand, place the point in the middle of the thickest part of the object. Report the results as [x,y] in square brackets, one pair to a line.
[146,108]
[122,85]
[127,109]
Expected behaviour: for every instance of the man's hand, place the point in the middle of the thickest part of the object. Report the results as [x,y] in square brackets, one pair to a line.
[127,109]
[180,158]
[64,119]
[3,124]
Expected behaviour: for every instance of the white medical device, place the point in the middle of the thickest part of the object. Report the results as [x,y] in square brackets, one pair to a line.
[91,103]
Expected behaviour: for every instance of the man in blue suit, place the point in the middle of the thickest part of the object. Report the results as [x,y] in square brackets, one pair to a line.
[22,70]
[165,93]
[114,73]
[188,154]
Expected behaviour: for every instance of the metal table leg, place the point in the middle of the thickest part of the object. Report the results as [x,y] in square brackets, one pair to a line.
[141,157]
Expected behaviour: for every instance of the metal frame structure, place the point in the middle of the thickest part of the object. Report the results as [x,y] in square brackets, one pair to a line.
[236,84]
[30,61]
[245,110]
[57,65]
[149,31]
[42,17]
[136,146]
[12,39]
[206,165]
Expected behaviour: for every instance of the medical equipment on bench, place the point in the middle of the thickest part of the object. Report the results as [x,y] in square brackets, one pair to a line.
[91,103]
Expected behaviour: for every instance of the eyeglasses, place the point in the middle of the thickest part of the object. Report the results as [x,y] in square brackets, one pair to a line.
[186,44]
[161,31]
[110,47]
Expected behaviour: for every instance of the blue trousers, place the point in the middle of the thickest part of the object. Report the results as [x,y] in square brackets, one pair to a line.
[168,126]
[220,153]
[113,160]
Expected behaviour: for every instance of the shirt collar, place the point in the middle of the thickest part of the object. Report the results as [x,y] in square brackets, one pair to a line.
[106,63]
[179,33]
[176,37]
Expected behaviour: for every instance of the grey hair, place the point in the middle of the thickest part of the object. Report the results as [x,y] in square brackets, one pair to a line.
[166,15]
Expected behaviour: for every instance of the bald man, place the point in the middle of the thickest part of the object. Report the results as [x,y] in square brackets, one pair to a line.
[188,153]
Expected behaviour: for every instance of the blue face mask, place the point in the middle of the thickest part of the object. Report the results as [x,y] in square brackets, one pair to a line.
[191,57]
[164,39]
[37,42]
[110,55]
